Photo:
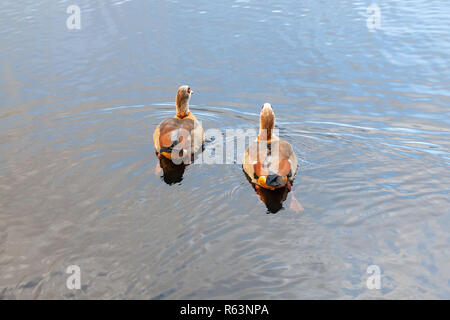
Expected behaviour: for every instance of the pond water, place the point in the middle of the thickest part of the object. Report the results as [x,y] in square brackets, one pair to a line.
[366,110]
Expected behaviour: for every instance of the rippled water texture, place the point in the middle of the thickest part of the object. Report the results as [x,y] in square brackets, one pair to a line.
[366,111]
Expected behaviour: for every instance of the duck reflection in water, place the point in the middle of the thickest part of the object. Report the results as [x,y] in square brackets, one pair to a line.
[274,199]
[172,173]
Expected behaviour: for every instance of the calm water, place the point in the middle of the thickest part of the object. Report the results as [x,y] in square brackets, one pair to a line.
[367,113]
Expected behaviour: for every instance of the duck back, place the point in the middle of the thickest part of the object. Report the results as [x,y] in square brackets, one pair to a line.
[172,131]
[275,160]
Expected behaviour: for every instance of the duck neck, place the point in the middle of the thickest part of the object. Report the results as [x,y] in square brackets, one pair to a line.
[265,134]
[183,109]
